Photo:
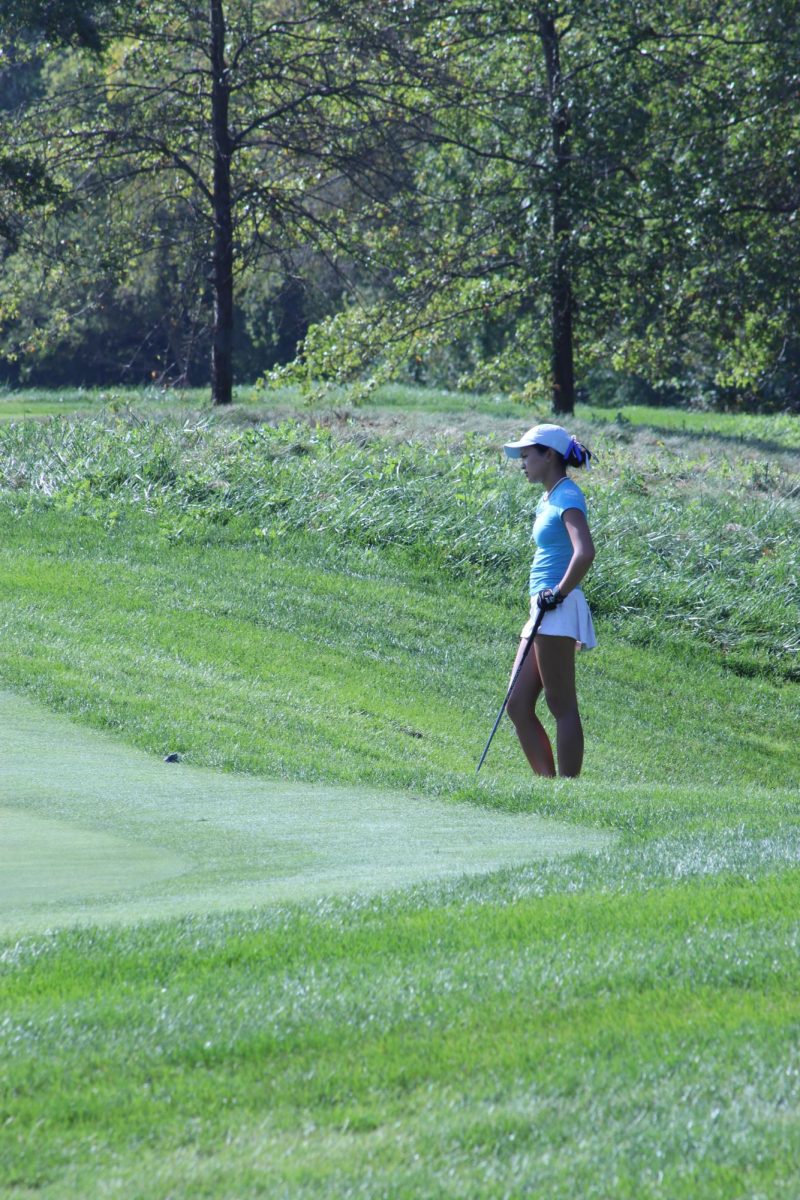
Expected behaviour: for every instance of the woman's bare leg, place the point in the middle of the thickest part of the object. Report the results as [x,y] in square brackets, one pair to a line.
[555,661]
[521,709]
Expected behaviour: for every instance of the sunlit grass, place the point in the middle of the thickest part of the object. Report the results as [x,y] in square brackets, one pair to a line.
[779,430]
[455,1050]
[338,602]
[94,832]
[698,539]
[258,403]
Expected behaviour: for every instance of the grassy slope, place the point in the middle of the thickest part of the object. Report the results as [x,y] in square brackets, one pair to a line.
[780,430]
[615,1026]
[182,646]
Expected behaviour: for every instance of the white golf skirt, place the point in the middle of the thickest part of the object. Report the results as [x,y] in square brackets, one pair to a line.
[572,619]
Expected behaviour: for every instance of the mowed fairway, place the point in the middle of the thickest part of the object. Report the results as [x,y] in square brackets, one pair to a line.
[317,958]
[93,831]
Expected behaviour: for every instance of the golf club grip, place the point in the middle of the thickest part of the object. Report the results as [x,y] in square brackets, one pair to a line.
[515,677]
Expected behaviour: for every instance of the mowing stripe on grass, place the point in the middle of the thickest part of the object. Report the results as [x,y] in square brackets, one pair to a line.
[94,831]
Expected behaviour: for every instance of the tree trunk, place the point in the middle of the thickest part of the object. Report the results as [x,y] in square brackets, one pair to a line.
[222,261]
[561,297]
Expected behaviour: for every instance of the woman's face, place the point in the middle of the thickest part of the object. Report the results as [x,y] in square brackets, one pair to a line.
[535,464]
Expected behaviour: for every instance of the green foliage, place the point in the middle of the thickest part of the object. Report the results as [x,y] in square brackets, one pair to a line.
[131,137]
[660,201]
[396,187]
[65,22]
[723,314]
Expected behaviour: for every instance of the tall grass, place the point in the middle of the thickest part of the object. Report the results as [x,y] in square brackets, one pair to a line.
[699,551]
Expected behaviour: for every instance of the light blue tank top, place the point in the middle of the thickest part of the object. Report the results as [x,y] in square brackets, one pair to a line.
[553,547]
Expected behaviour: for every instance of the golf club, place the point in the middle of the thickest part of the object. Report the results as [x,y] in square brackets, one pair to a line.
[534,631]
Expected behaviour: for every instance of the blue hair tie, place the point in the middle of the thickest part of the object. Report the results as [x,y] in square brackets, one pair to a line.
[578,452]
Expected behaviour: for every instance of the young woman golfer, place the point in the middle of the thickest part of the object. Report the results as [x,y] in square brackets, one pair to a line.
[564,553]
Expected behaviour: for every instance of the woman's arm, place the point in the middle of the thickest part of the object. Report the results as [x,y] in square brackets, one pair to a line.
[583,551]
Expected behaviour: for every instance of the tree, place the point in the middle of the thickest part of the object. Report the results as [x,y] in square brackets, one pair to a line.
[522,190]
[257,118]
[536,126]
[587,165]
[28,27]
[724,316]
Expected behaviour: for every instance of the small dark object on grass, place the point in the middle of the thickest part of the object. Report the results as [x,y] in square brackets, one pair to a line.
[174,757]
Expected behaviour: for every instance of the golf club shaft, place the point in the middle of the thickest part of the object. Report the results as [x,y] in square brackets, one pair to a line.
[534,631]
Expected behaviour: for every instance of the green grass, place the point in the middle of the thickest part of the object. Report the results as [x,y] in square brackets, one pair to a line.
[615,1024]
[18,403]
[699,537]
[218,632]
[100,832]
[631,1045]
[777,431]
[255,403]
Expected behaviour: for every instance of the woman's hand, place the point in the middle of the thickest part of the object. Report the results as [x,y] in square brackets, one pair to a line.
[549,598]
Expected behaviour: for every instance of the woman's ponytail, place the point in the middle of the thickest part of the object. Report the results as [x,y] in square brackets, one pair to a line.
[577,455]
